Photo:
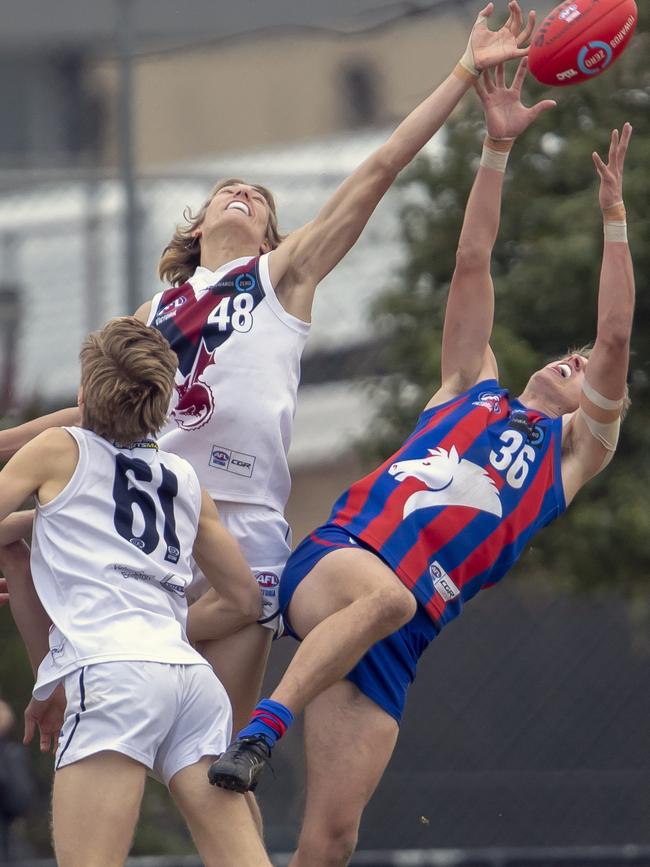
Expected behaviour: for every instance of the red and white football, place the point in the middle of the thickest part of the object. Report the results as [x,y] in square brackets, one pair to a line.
[580,39]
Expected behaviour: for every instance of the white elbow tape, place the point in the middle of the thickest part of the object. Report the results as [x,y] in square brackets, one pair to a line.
[598,400]
[605,432]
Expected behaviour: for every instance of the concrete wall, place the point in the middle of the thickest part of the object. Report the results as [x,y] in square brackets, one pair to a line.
[254,93]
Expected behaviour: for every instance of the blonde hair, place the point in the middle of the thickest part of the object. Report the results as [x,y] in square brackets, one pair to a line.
[127,377]
[182,255]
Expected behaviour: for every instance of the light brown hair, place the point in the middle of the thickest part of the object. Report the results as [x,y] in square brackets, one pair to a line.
[127,377]
[182,255]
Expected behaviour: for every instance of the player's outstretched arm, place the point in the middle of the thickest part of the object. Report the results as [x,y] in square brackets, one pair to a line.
[466,357]
[237,601]
[15,438]
[593,430]
[301,262]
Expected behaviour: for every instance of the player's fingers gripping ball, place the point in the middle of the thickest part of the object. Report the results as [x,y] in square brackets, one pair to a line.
[580,39]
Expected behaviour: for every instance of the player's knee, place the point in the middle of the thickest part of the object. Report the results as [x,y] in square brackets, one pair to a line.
[331,844]
[398,606]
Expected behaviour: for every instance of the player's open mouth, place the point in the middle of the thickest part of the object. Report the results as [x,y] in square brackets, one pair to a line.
[239,206]
[564,370]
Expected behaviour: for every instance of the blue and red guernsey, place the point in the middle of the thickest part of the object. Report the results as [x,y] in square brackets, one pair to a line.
[456,505]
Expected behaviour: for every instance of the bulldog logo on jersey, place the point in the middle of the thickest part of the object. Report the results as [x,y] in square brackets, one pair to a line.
[450,480]
[195,405]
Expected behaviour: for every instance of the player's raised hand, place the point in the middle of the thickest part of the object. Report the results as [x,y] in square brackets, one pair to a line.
[611,174]
[488,48]
[48,716]
[505,114]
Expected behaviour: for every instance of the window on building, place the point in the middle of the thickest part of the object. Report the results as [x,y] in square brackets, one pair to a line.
[360,93]
[49,117]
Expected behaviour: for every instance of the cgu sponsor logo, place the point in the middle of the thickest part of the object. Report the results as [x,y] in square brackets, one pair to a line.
[442,583]
[233,462]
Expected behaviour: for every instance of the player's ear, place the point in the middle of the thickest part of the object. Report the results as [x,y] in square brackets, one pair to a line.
[266,246]
[80,397]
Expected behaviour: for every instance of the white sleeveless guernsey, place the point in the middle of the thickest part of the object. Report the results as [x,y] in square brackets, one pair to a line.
[111,559]
[238,371]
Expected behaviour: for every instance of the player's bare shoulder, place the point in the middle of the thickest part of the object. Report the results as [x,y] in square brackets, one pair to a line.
[58,455]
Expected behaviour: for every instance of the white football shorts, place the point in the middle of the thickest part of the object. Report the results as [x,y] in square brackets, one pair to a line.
[165,716]
[265,539]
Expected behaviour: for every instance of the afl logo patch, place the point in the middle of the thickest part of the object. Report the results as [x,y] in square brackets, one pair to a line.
[219,457]
[169,310]
[267,580]
[442,583]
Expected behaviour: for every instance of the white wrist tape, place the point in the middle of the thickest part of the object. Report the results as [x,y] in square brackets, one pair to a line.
[494,159]
[467,60]
[599,400]
[495,153]
[615,230]
[615,224]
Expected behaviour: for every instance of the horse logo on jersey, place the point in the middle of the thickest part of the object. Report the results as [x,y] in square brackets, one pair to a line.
[195,400]
[450,480]
[489,400]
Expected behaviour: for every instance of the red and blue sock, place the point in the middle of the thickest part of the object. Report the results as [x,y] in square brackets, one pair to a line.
[270,720]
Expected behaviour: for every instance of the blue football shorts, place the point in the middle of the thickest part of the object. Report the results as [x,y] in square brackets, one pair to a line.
[387,670]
